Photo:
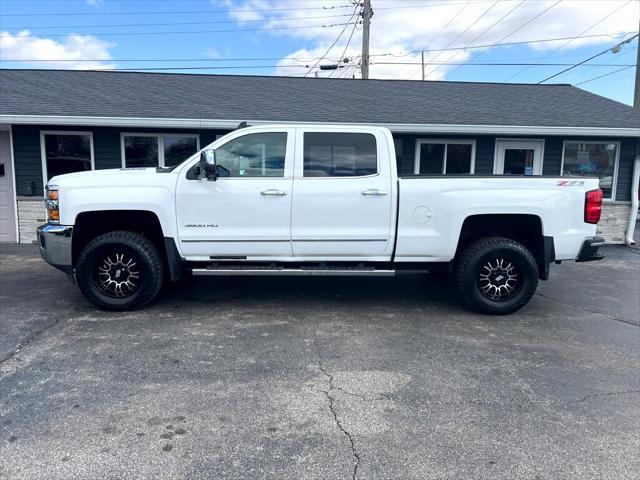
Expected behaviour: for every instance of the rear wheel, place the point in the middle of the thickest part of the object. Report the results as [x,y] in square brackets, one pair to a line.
[120,271]
[496,275]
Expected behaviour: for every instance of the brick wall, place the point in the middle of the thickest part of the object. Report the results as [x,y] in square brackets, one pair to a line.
[31,214]
[614,221]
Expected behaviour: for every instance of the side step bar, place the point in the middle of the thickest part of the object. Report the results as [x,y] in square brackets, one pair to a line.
[284,271]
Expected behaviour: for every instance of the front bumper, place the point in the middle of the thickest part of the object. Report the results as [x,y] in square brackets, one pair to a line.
[55,246]
[589,250]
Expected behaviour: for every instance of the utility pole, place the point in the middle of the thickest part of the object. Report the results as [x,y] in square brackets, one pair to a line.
[423,65]
[636,96]
[366,23]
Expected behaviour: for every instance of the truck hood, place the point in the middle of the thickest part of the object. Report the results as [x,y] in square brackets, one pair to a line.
[115,177]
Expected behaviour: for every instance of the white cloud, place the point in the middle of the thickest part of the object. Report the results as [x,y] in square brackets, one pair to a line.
[400,30]
[212,52]
[91,52]
[95,3]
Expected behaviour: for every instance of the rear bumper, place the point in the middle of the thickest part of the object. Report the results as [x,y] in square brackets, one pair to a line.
[55,246]
[589,250]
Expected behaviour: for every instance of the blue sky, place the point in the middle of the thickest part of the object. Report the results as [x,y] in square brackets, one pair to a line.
[288,37]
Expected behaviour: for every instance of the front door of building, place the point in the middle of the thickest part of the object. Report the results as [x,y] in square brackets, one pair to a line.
[518,157]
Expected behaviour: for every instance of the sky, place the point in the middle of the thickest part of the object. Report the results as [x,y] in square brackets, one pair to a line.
[462,40]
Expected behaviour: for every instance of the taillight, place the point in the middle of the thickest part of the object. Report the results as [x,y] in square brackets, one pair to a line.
[593,206]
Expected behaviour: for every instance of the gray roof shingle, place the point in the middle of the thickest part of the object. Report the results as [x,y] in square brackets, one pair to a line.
[161,95]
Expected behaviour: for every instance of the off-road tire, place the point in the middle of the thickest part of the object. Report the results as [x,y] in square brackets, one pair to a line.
[471,263]
[141,250]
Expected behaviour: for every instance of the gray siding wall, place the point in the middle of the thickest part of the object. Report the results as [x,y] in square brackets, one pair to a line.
[552,160]
[106,142]
[106,147]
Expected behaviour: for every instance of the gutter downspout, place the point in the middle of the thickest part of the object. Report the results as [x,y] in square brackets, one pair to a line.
[634,197]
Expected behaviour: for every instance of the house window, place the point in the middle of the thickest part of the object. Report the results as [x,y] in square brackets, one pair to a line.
[592,159]
[157,150]
[330,154]
[65,152]
[445,157]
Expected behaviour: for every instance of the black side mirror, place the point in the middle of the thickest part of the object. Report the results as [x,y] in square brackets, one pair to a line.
[206,167]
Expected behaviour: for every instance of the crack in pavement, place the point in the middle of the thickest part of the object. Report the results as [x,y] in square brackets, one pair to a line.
[331,399]
[606,394]
[28,339]
[610,317]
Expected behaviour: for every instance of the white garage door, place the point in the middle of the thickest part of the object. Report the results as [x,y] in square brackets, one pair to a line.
[7,205]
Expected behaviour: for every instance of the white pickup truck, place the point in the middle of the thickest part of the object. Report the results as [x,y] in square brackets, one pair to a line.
[313,200]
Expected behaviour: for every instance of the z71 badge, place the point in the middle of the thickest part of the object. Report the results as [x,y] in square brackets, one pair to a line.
[570,183]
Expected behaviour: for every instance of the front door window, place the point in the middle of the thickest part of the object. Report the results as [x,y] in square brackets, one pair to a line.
[518,161]
[518,157]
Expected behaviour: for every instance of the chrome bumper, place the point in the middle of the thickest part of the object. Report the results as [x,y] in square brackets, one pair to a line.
[55,246]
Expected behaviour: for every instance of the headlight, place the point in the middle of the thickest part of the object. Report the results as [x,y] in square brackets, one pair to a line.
[51,204]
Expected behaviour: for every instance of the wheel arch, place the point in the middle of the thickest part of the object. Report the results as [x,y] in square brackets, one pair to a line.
[527,229]
[90,224]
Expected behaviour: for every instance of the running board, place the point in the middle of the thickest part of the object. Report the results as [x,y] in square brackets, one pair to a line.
[284,271]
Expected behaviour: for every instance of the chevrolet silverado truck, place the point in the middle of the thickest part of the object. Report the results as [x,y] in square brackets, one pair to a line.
[313,200]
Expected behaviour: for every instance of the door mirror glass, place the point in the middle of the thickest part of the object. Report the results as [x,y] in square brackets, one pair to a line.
[206,167]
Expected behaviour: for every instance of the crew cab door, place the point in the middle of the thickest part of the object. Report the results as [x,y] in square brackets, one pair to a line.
[343,194]
[246,212]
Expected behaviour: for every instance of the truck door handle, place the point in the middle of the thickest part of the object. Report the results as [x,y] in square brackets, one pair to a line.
[272,192]
[373,192]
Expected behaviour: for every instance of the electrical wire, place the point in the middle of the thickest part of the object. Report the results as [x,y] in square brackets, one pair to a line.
[590,58]
[164,24]
[334,42]
[481,34]
[179,12]
[346,47]
[455,15]
[460,35]
[605,75]
[306,66]
[569,41]
[126,34]
[386,54]
[512,32]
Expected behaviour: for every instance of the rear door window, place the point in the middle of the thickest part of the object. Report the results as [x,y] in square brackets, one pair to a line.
[332,154]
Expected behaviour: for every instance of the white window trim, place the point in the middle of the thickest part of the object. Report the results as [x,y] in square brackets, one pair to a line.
[445,142]
[160,139]
[43,150]
[614,183]
[498,167]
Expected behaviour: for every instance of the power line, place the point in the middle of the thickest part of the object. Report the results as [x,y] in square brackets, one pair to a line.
[605,75]
[334,42]
[170,12]
[518,28]
[569,41]
[387,54]
[481,34]
[124,34]
[164,24]
[455,15]
[306,66]
[178,12]
[346,47]
[463,32]
[590,58]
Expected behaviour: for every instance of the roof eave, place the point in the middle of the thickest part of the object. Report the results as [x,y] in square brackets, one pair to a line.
[394,127]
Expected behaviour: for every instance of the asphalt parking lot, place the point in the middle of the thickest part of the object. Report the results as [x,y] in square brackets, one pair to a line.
[320,378]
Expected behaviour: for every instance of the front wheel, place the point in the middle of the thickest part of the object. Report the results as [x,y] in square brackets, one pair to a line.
[496,275]
[120,271]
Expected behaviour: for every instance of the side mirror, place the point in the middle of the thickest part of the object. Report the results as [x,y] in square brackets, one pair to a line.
[206,167]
